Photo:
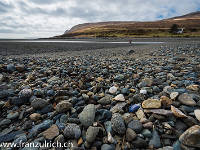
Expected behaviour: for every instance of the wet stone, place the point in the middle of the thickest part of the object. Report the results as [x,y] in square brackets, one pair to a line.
[103,115]
[25,93]
[191,137]
[130,134]
[107,147]
[39,128]
[17,101]
[39,103]
[136,126]
[72,131]
[139,143]
[91,133]
[11,68]
[10,136]
[63,106]
[5,122]
[13,115]
[87,116]
[155,140]
[118,124]
[186,99]
[147,133]
[105,100]
[7,130]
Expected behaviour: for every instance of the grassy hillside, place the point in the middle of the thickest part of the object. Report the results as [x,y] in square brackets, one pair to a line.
[190,23]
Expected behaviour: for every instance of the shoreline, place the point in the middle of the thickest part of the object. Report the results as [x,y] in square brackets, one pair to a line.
[55,49]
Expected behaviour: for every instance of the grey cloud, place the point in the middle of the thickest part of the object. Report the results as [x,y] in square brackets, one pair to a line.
[7,31]
[5,7]
[43,1]
[24,7]
[21,31]
[51,16]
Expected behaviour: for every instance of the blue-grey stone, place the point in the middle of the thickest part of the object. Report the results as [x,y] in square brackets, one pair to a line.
[32,98]
[11,68]
[39,103]
[195,97]
[47,109]
[156,89]
[178,83]
[15,108]
[180,90]
[12,115]
[142,84]
[21,115]
[61,126]
[80,103]
[19,101]
[95,98]
[5,122]
[44,79]
[57,117]
[74,120]
[155,140]
[103,115]
[75,92]
[117,123]
[63,119]
[39,128]
[91,133]
[72,131]
[10,136]
[139,143]
[51,93]
[136,126]
[188,109]
[21,139]
[177,145]
[87,116]
[107,147]
[38,92]
[74,100]
[105,100]
[108,127]
[4,94]
[146,133]
[119,77]
[187,82]
[7,131]
[125,91]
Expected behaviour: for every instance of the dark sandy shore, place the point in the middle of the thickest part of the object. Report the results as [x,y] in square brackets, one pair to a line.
[17,48]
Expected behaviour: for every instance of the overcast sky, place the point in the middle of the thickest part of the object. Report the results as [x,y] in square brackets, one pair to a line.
[46,18]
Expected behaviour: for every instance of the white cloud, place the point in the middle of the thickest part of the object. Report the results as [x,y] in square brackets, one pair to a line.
[45,18]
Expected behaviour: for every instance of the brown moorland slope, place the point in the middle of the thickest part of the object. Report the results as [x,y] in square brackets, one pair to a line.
[189,22]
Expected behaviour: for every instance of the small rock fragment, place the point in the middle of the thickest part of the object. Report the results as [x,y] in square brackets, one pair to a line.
[151,103]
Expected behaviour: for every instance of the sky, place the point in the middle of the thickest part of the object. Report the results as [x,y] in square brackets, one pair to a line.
[25,19]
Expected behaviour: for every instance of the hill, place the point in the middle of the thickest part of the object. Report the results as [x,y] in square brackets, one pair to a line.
[189,22]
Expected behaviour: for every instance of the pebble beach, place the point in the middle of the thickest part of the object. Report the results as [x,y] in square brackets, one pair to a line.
[100,96]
